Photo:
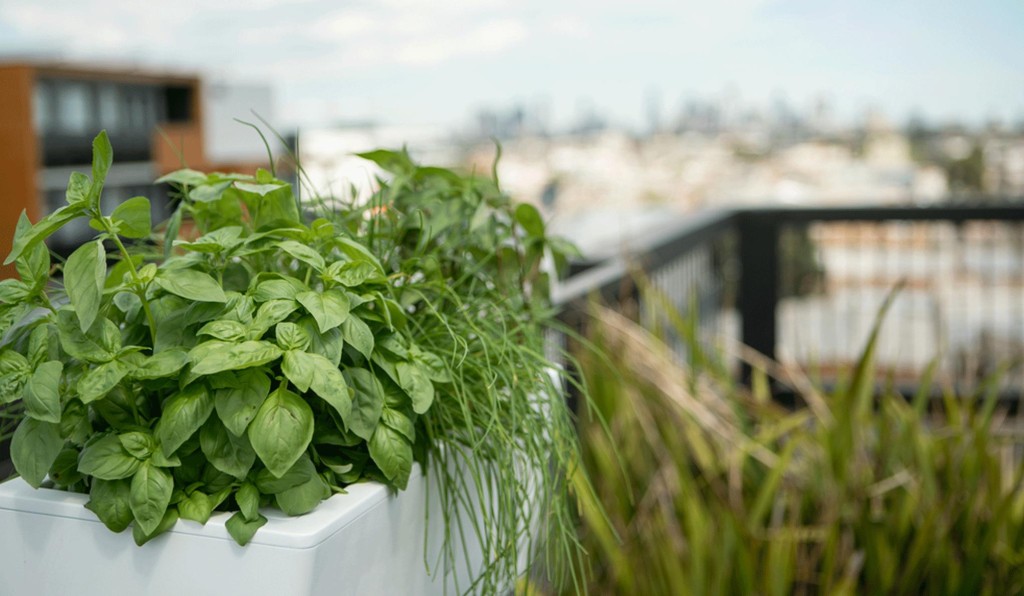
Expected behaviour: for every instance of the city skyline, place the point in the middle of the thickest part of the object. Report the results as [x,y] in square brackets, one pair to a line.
[406,61]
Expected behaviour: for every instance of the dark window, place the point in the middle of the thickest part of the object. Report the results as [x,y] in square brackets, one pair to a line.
[179,104]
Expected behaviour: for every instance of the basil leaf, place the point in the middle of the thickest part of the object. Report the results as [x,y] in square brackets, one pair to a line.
[161,364]
[330,308]
[34,448]
[102,158]
[238,356]
[224,330]
[196,506]
[529,218]
[415,381]
[300,472]
[42,397]
[237,406]
[96,383]
[284,288]
[183,414]
[84,274]
[302,253]
[281,430]
[313,371]
[357,333]
[398,421]
[329,345]
[64,471]
[226,452]
[44,228]
[367,403]
[291,337]
[139,445]
[392,453]
[34,266]
[303,498]
[108,499]
[248,500]
[107,459]
[99,344]
[132,218]
[150,495]
[241,529]
[191,285]
[166,523]
[271,313]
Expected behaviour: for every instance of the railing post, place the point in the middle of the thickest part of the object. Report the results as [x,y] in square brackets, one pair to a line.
[759,282]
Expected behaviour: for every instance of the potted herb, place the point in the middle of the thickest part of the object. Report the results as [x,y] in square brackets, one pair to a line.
[275,357]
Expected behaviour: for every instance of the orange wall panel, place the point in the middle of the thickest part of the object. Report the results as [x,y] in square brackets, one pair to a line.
[19,155]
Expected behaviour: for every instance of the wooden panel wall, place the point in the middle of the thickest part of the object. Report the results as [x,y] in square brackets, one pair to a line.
[19,155]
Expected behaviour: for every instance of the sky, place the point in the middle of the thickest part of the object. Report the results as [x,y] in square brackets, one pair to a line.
[441,61]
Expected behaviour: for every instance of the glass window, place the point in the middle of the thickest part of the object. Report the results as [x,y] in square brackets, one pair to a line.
[42,108]
[110,108]
[74,107]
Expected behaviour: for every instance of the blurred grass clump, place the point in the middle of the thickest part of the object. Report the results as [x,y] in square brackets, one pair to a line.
[709,487]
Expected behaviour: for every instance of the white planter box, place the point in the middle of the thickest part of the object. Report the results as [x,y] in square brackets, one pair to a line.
[365,542]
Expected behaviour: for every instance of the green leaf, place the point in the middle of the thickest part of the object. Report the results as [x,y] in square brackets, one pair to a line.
[150,495]
[291,337]
[353,273]
[184,176]
[300,472]
[226,452]
[302,253]
[330,308]
[160,365]
[219,240]
[183,414]
[43,229]
[281,430]
[100,343]
[209,192]
[358,252]
[107,459]
[34,448]
[97,382]
[108,499]
[398,421]
[64,471]
[285,288]
[34,265]
[42,395]
[259,189]
[139,445]
[357,333]
[133,218]
[303,498]
[415,381]
[102,158]
[529,218]
[237,406]
[313,371]
[78,189]
[224,330]
[196,506]
[235,357]
[271,313]
[248,500]
[329,345]
[191,285]
[13,291]
[84,274]
[166,523]
[367,403]
[241,529]
[396,162]
[392,453]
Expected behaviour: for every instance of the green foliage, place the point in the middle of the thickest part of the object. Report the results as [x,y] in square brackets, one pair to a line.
[269,358]
[709,488]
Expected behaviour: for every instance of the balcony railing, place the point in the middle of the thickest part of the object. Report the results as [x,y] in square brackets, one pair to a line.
[803,286]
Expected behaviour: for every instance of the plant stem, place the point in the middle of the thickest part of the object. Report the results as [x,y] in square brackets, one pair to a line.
[140,290]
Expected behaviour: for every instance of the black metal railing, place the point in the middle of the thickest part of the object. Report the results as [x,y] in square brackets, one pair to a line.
[803,286]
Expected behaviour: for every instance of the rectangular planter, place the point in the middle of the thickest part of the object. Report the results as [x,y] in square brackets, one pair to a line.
[368,541]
